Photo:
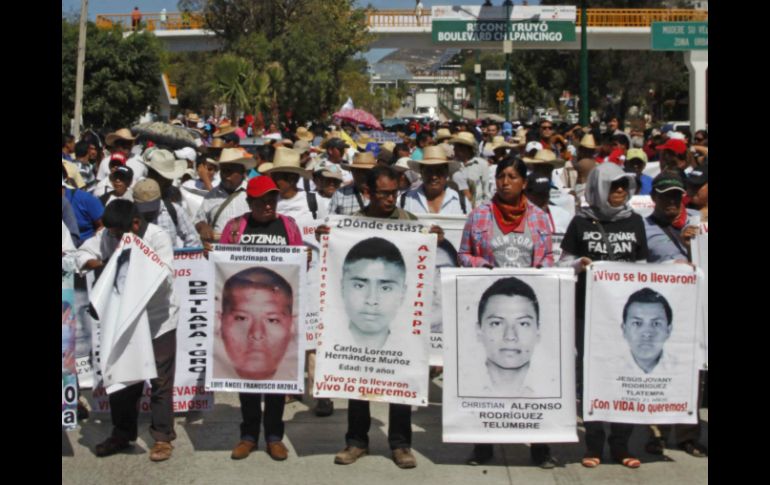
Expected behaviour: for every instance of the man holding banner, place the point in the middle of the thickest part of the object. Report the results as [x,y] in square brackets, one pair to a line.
[146,256]
[376,280]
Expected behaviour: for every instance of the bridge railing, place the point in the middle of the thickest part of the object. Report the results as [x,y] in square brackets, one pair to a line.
[597,17]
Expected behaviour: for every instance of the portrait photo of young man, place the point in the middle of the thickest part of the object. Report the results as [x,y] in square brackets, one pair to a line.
[647,325]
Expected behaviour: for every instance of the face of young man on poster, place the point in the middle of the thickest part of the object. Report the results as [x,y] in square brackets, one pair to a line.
[509,331]
[373,291]
[646,329]
[256,330]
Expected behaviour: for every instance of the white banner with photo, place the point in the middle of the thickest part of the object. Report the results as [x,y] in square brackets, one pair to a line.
[375,297]
[641,343]
[446,257]
[700,258]
[311,313]
[193,287]
[257,345]
[509,358]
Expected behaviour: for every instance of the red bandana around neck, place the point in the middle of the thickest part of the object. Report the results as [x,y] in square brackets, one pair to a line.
[508,216]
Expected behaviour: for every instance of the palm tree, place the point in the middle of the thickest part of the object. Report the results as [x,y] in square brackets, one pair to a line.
[232,82]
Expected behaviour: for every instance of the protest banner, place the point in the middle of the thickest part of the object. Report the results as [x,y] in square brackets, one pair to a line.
[375,294]
[700,258]
[257,343]
[307,228]
[83,335]
[446,257]
[69,390]
[509,361]
[193,287]
[641,338]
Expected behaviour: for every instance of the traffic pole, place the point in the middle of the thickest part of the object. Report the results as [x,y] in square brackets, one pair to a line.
[80,68]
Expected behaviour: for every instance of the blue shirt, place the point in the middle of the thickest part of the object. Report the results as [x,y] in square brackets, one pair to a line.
[87,208]
[68,217]
[646,185]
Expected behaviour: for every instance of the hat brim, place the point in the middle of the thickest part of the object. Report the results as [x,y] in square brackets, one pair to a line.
[669,189]
[557,162]
[460,141]
[271,189]
[224,131]
[415,164]
[179,168]
[299,171]
[112,137]
[308,137]
[247,163]
[151,206]
[351,166]
[330,175]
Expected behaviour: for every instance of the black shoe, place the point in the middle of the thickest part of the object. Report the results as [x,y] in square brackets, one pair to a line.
[110,446]
[481,454]
[82,412]
[656,446]
[693,448]
[541,456]
[324,407]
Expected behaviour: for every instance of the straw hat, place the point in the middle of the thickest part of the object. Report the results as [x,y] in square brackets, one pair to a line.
[499,142]
[193,117]
[165,163]
[286,160]
[520,138]
[443,134]
[433,155]
[545,156]
[464,138]
[264,167]
[121,134]
[302,146]
[303,133]
[388,145]
[362,160]
[224,131]
[402,165]
[588,141]
[235,155]
[329,170]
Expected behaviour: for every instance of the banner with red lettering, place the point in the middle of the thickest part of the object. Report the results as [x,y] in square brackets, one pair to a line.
[307,227]
[193,287]
[700,258]
[258,343]
[509,359]
[446,257]
[375,301]
[641,343]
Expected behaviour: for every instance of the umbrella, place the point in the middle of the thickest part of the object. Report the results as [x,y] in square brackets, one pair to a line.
[358,116]
[165,134]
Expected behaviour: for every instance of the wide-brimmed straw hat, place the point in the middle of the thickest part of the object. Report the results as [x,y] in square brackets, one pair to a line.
[362,160]
[464,138]
[303,133]
[286,160]
[499,142]
[433,155]
[588,141]
[224,131]
[545,156]
[165,163]
[443,134]
[235,155]
[121,134]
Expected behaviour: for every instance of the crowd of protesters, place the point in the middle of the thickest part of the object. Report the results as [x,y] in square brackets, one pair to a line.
[534,188]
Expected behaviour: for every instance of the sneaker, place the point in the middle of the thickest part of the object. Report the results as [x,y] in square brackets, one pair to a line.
[404,458]
[110,446]
[481,454]
[694,449]
[161,451]
[324,407]
[243,449]
[349,455]
[277,450]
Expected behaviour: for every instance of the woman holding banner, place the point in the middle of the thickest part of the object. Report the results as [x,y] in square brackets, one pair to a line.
[508,232]
[606,230]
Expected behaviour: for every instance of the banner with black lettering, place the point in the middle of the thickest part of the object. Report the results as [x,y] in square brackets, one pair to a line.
[375,297]
[257,345]
[194,289]
[641,343]
[307,227]
[446,257]
[700,258]
[509,359]
[69,390]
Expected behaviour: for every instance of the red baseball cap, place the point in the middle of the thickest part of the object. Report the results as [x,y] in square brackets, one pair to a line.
[677,146]
[260,185]
[119,157]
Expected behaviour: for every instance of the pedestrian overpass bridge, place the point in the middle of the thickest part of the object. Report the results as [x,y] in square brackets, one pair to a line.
[607,29]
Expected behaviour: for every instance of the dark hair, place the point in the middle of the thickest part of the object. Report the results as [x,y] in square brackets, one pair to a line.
[648,295]
[241,122]
[620,139]
[423,136]
[66,138]
[703,133]
[120,214]
[231,138]
[380,171]
[508,287]
[81,148]
[375,248]
[511,161]
[255,278]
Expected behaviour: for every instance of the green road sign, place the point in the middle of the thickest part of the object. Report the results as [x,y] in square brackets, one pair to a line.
[448,31]
[680,36]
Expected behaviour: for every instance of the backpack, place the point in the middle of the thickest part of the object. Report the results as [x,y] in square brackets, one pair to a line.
[171,211]
[312,203]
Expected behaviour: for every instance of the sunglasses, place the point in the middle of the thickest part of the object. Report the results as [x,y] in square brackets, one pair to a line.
[699,139]
[546,127]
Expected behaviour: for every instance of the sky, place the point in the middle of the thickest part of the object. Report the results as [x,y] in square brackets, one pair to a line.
[125,6]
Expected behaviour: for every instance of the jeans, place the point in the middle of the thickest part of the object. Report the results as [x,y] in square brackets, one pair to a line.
[360,420]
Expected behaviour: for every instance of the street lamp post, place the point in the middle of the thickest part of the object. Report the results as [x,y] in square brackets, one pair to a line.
[583,64]
[507,48]
[477,72]
[79,72]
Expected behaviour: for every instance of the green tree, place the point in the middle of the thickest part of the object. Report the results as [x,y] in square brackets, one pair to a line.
[122,75]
